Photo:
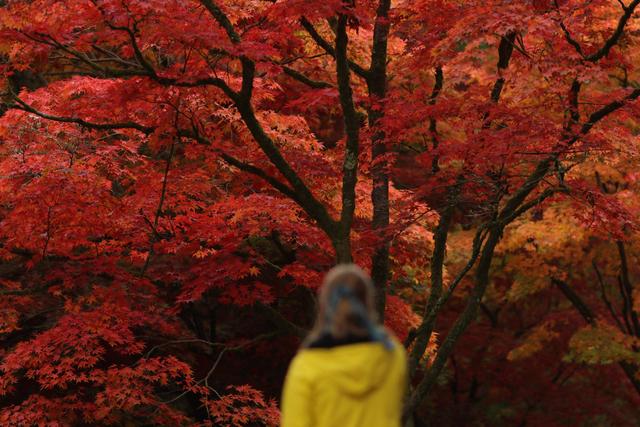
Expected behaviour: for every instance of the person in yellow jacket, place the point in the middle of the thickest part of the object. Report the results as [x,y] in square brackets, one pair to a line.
[350,371]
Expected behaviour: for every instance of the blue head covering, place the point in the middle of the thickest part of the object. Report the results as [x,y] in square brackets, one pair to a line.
[344,292]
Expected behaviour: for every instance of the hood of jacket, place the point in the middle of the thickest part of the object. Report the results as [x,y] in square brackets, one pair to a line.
[355,369]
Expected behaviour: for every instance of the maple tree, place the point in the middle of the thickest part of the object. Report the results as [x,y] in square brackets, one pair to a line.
[177,176]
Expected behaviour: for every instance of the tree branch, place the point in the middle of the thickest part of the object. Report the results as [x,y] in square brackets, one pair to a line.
[603,112]
[315,84]
[505,51]
[352,127]
[281,322]
[629,369]
[626,283]
[575,299]
[326,46]
[615,37]
[305,198]
[425,330]
[244,166]
[433,124]
[604,297]
[610,42]
[222,20]
[21,105]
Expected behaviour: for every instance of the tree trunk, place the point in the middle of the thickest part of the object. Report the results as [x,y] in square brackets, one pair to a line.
[377,86]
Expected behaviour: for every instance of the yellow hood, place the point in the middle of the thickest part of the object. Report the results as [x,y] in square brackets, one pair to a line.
[355,369]
[353,385]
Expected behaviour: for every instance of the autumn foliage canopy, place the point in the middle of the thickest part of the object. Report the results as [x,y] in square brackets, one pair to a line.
[177,175]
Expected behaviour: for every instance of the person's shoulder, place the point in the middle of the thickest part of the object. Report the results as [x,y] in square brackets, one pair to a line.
[303,364]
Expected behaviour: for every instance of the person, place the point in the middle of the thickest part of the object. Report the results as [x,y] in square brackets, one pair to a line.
[349,371]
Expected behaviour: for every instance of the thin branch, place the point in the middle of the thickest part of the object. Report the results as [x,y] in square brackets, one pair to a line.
[310,204]
[615,37]
[433,124]
[324,44]
[567,34]
[603,112]
[280,321]
[629,369]
[147,69]
[625,306]
[222,20]
[575,299]
[163,193]
[21,105]
[315,84]
[624,278]
[610,42]
[534,202]
[246,167]
[425,330]
[604,297]
[243,166]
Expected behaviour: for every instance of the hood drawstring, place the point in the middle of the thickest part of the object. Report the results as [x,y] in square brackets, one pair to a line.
[340,292]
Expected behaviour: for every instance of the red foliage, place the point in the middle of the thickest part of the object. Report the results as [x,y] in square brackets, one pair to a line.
[174,184]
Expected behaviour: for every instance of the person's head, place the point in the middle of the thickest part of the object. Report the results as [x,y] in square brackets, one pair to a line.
[346,304]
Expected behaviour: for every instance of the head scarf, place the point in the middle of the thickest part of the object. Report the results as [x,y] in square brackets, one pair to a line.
[343,292]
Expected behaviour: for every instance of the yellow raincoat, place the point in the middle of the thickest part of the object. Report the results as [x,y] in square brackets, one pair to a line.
[354,385]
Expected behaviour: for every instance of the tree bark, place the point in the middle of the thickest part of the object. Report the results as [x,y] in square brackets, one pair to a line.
[377,86]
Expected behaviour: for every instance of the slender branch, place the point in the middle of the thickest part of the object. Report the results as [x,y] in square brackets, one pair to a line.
[512,209]
[163,193]
[21,105]
[305,198]
[222,19]
[112,56]
[610,42]
[326,46]
[629,369]
[544,165]
[575,299]
[573,42]
[425,330]
[603,112]
[461,323]
[433,124]
[534,202]
[102,72]
[615,37]
[624,278]
[21,291]
[243,166]
[246,167]
[146,65]
[315,84]
[478,240]
[280,321]
[604,297]
[311,205]
[248,66]
[567,34]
